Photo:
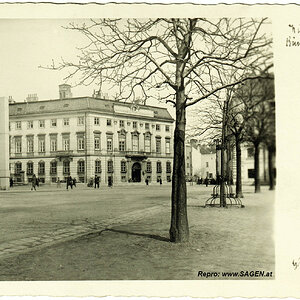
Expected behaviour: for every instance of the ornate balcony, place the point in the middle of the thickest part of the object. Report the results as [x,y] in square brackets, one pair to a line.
[136,154]
[63,154]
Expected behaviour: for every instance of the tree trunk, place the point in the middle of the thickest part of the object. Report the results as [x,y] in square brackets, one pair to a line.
[238,187]
[271,167]
[179,230]
[256,169]
[222,177]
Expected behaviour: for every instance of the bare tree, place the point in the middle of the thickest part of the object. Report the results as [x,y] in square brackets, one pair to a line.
[175,60]
[260,125]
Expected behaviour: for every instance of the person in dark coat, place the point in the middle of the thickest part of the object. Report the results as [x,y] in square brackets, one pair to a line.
[97,180]
[147,181]
[11,182]
[110,183]
[69,182]
[74,181]
[33,183]
[206,181]
[160,181]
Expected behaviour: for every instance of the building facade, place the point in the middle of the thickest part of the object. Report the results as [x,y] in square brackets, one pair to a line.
[87,136]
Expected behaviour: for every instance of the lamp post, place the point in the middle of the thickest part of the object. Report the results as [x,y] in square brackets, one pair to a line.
[217,142]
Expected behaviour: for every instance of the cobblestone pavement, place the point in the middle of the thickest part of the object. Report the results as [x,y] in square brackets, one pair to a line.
[36,242]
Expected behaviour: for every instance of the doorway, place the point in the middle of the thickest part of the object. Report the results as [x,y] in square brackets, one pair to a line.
[136,172]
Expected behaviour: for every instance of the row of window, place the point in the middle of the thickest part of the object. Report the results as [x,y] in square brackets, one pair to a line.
[81,167]
[80,121]
[97,144]
[53,123]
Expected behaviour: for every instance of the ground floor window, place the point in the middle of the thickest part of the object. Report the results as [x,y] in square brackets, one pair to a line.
[148,167]
[53,167]
[110,166]
[123,167]
[81,179]
[29,168]
[42,179]
[80,166]
[123,178]
[158,178]
[97,166]
[168,167]
[168,178]
[66,167]
[158,167]
[149,178]
[18,168]
[53,179]
[41,169]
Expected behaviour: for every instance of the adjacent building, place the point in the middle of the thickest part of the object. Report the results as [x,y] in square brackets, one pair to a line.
[202,161]
[87,136]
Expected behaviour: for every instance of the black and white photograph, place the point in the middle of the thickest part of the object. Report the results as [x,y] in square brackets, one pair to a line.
[137,149]
[149,150]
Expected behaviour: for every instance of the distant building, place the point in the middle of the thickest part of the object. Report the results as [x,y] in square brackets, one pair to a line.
[88,136]
[203,158]
[188,161]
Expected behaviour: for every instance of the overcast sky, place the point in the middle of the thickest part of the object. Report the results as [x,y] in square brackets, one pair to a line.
[27,44]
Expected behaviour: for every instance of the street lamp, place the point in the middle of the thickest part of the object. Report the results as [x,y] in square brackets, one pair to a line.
[217,142]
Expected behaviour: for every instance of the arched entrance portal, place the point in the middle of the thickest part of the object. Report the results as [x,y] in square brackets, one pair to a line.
[136,172]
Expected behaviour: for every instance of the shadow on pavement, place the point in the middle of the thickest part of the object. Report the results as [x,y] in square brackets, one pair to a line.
[151,236]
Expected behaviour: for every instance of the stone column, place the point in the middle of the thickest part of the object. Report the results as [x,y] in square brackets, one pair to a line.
[4,144]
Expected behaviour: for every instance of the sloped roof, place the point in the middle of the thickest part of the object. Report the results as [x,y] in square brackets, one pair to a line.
[207,150]
[78,104]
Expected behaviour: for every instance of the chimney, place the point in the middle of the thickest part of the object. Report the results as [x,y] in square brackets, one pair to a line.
[11,100]
[65,91]
[32,97]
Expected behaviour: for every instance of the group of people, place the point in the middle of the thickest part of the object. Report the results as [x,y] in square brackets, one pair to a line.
[70,182]
[35,182]
[158,180]
[96,182]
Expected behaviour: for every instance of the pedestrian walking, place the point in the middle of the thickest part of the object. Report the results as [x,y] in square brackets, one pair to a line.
[160,181]
[147,181]
[110,182]
[58,183]
[69,182]
[33,183]
[74,182]
[11,182]
[206,181]
[97,182]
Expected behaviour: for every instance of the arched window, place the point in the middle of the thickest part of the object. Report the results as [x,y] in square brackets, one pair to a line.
[41,168]
[168,167]
[148,167]
[66,167]
[110,166]
[123,166]
[158,167]
[80,166]
[135,142]
[53,167]
[29,168]
[18,167]
[122,142]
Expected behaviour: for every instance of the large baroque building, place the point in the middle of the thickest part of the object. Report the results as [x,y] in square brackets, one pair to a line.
[88,136]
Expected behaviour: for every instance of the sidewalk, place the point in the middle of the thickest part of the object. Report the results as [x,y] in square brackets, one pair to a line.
[81,186]
[136,246]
